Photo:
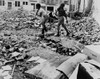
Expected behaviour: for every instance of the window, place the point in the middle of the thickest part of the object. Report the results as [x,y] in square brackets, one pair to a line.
[2,2]
[9,5]
[25,3]
[17,3]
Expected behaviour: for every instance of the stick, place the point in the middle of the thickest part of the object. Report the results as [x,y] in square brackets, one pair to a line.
[13,70]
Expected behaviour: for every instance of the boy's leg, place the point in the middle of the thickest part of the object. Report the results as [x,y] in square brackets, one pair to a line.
[60,21]
[58,29]
[43,25]
[63,25]
[43,28]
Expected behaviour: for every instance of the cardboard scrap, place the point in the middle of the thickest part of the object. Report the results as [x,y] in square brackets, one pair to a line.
[92,70]
[93,51]
[36,69]
[68,66]
[93,62]
[49,72]
[86,70]
[74,74]
[45,71]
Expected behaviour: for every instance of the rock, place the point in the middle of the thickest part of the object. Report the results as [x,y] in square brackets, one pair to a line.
[8,77]
[15,54]
[6,68]
[21,49]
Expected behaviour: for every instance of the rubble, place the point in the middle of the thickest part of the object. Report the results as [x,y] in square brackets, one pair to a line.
[24,53]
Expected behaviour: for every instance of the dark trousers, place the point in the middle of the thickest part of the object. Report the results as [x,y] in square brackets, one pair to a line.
[44,28]
[61,22]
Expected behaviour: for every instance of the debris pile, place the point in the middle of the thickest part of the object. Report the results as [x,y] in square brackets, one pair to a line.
[86,31]
[73,67]
[21,48]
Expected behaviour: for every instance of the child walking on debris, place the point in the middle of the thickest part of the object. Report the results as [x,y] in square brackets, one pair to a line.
[42,14]
[61,14]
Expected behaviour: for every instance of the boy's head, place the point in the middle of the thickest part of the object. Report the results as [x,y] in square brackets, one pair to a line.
[62,5]
[38,6]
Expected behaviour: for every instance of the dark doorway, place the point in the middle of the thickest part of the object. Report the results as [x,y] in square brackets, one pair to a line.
[50,8]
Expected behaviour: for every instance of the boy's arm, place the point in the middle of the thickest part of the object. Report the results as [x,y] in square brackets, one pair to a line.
[56,12]
[66,17]
[41,13]
[39,16]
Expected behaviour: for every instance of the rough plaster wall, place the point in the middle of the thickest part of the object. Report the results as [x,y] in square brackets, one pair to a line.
[96,11]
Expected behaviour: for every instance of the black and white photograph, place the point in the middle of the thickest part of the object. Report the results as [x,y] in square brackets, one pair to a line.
[49,39]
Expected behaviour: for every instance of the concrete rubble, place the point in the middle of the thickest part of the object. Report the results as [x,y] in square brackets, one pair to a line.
[24,55]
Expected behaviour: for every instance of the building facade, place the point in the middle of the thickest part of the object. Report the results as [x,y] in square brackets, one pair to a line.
[15,5]
[29,4]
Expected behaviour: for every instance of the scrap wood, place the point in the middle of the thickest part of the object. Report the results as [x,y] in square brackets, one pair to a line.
[13,70]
